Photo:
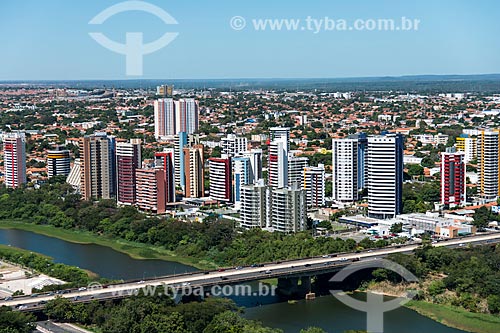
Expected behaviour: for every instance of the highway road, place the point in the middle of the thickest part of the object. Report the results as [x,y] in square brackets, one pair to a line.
[233,275]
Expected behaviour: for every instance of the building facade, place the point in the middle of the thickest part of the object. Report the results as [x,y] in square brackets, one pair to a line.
[14,159]
[345,170]
[385,176]
[58,163]
[488,156]
[219,170]
[453,183]
[314,185]
[128,160]
[150,190]
[98,168]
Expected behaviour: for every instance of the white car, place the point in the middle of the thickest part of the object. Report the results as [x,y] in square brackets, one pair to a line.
[185,284]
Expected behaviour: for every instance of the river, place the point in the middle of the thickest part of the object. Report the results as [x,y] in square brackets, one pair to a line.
[325,312]
[101,260]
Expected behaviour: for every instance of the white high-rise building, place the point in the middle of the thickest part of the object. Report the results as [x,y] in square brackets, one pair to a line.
[468,146]
[165,118]
[278,163]
[345,169]
[385,176]
[219,170]
[187,115]
[488,164]
[233,145]
[14,159]
[280,132]
[314,185]
[288,210]
[296,167]
[241,175]
[254,210]
[255,157]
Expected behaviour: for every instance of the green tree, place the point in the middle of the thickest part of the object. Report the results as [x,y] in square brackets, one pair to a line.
[481,217]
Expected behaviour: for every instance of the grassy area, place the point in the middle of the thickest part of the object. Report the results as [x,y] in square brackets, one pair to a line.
[457,317]
[16,250]
[133,249]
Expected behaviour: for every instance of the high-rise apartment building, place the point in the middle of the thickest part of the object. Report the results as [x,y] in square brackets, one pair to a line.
[165,118]
[278,163]
[128,160]
[288,210]
[453,178]
[98,166]
[345,169]
[187,115]
[314,185]
[280,132]
[173,117]
[489,168]
[296,167]
[194,172]
[233,145]
[241,175]
[219,170]
[255,157]
[468,146]
[385,176]
[165,160]
[150,190]
[14,159]
[58,163]
[254,209]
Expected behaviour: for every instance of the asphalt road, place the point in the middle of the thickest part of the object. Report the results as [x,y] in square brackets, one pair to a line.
[195,280]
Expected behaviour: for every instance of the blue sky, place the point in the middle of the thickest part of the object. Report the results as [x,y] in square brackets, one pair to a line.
[49,40]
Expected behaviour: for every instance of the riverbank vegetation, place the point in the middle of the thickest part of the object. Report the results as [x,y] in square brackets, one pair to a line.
[158,314]
[458,287]
[15,322]
[45,265]
[124,228]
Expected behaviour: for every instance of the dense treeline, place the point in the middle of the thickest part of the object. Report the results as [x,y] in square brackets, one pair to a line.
[159,314]
[15,322]
[469,278]
[219,241]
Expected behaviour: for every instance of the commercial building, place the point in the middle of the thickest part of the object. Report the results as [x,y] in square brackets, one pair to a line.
[128,159]
[98,168]
[385,176]
[14,159]
[453,178]
[345,170]
[219,170]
